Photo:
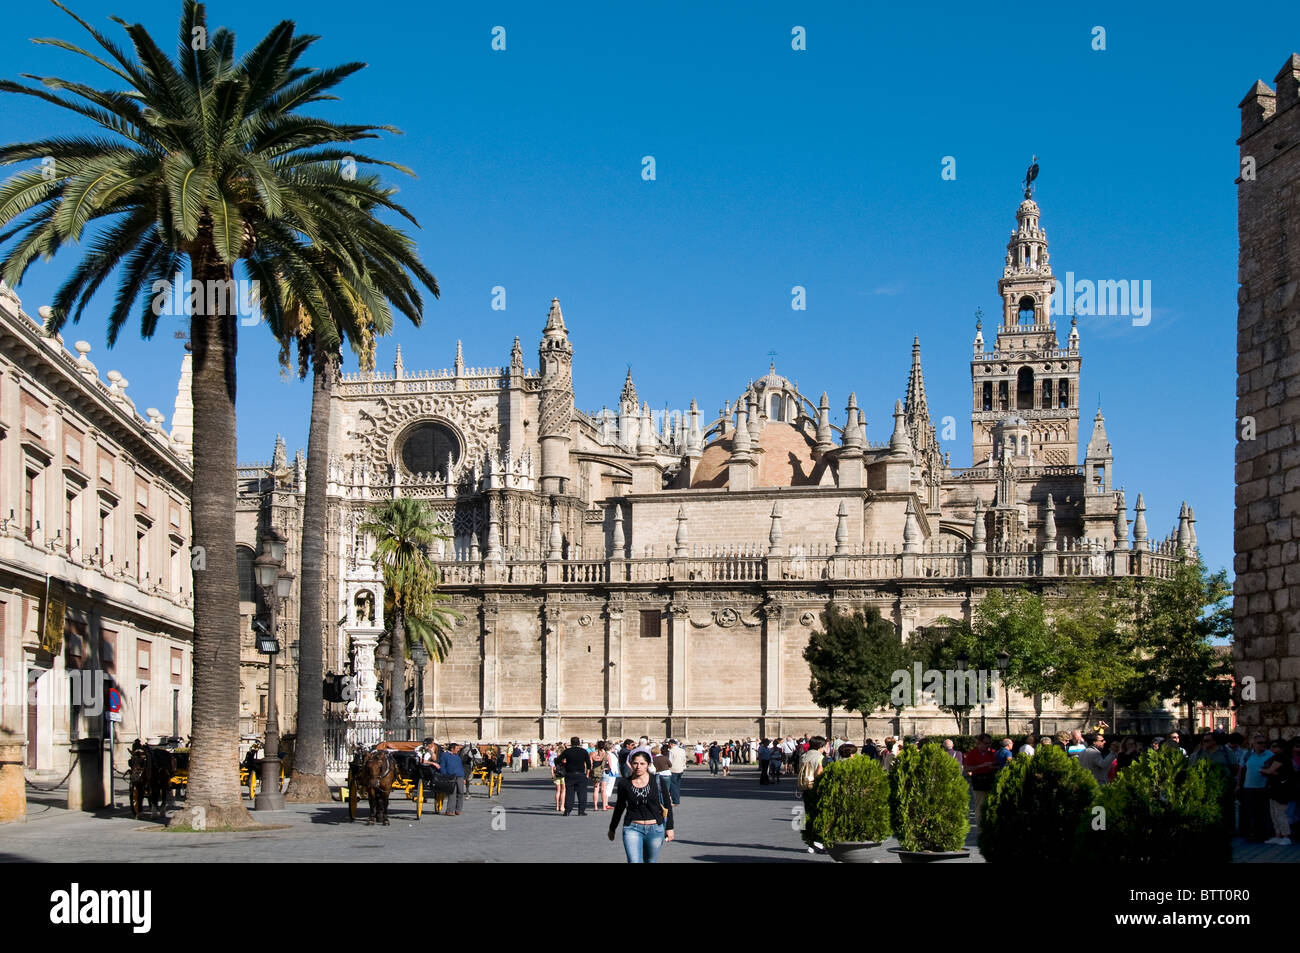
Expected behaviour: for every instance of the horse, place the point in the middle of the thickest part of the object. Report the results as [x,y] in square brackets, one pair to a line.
[151,772]
[374,771]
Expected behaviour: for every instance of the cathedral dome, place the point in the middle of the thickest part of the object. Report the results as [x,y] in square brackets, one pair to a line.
[786,460]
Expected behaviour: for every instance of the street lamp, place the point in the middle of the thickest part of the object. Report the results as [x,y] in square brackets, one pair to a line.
[420,656]
[961,680]
[1004,660]
[275,585]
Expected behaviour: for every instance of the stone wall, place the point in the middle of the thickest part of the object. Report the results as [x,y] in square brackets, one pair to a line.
[1267,588]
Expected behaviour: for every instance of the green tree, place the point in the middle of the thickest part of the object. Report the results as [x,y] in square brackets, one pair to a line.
[1015,622]
[1178,620]
[403,530]
[1035,808]
[365,298]
[1161,809]
[853,660]
[1095,628]
[947,647]
[205,161]
[929,802]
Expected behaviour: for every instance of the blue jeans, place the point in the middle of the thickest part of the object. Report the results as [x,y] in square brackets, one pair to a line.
[677,787]
[665,786]
[641,842]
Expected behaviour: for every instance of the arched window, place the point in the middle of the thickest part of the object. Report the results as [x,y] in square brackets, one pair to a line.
[1024,446]
[1025,389]
[1025,314]
[1047,394]
[988,395]
[775,404]
[1003,400]
[244,566]
[1063,394]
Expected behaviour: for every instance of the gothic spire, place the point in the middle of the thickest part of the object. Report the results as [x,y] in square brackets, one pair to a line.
[914,400]
[920,428]
[555,321]
[629,390]
[1099,444]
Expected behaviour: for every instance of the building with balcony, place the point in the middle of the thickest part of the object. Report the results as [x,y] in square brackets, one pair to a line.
[95,578]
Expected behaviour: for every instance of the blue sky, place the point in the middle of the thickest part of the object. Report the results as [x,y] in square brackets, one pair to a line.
[776,168]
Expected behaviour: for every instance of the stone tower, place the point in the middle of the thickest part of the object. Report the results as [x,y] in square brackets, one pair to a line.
[1027,373]
[555,409]
[1266,606]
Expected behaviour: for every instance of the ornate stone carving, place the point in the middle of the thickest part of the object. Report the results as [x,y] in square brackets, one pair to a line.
[584,620]
[808,618]
[380,426]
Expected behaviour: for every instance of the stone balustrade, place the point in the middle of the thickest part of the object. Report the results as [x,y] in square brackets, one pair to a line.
[744,564]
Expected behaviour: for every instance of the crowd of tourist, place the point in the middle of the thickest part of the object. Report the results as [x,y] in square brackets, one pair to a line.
[639,782]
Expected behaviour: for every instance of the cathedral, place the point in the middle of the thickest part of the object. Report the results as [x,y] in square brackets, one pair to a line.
[624,572]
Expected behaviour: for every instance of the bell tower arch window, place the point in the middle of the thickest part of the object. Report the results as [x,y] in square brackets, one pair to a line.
[988,395]
[1025,310]
[1063,395]
[1025,389]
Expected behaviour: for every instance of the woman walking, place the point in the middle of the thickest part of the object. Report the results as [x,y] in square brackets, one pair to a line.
[647,817]
[599,772]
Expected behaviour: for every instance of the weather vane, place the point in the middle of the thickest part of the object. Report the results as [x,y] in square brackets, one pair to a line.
[1030,176]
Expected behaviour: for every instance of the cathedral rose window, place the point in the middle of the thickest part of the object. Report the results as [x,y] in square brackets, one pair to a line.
[427,447]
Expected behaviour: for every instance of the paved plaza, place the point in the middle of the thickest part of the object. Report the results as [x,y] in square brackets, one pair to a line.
[731,819]
[720,820]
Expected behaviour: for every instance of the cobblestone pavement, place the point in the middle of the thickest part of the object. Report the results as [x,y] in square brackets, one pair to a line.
[720,820]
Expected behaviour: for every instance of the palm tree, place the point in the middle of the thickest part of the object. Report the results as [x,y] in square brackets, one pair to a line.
[366,315]
[403,530]
[203,160]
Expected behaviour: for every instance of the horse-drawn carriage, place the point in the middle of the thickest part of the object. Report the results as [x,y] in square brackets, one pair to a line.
[161,773]
[376,771]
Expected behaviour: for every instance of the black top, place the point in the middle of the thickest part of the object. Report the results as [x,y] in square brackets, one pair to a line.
[639,804]
[574,761]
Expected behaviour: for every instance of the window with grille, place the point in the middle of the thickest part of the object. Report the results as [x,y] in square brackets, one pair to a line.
[650,623]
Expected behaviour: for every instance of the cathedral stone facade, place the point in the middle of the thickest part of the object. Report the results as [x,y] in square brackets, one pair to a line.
[624,572]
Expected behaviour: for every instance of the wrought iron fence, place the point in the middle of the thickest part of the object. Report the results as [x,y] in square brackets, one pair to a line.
[342,737]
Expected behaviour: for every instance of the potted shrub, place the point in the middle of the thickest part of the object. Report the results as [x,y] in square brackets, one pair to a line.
[930,805]
[849,811]
[1161,809]
[1035,808]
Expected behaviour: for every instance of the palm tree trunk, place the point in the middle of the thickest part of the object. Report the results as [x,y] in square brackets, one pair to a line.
[307,782]
[213,799]
[397,652]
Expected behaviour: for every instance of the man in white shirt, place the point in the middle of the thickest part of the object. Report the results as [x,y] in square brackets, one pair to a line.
[1027,749]
[677,755]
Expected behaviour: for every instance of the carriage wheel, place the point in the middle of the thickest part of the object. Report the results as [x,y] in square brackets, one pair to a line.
[419,799]
[352,798]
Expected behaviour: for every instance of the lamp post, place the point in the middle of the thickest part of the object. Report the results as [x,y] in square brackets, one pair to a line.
[961,680]
[420,656]
[1004,660]
[275,585]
